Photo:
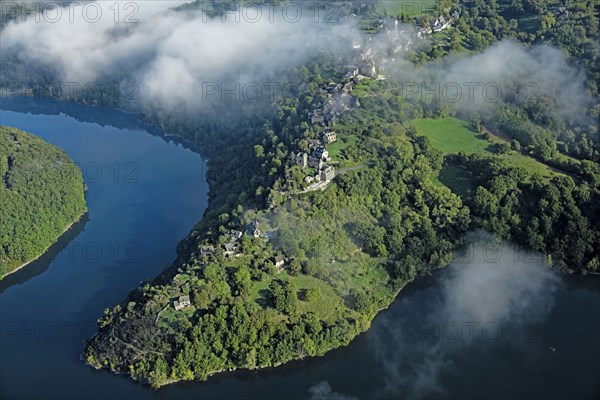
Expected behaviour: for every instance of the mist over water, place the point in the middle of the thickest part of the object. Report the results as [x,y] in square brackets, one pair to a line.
[493,298]
[497,322]
[323,391]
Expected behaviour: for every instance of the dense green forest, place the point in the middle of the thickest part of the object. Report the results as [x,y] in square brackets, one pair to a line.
[324,262]
[41,194]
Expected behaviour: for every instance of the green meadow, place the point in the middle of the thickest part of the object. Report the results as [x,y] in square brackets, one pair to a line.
[452,135]
[410,8]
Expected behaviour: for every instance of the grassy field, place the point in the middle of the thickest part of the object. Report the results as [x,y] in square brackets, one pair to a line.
[365,88]
[410,8]
[530,164]
[336,148]
[328,304]
[451,135]
[528,21]
[170,319]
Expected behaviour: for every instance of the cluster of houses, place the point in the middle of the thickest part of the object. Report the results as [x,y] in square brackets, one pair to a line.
[231,247]
[366,67]
[438,24]
[339,99]
[399,38]
[181,303]
[318,160]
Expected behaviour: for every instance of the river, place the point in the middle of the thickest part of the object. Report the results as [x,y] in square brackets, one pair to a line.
[495,323]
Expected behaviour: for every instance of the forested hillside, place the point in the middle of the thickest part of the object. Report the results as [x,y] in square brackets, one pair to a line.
[278,271]
[41,194]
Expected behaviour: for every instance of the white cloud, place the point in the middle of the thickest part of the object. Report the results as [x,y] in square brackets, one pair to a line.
[171,54]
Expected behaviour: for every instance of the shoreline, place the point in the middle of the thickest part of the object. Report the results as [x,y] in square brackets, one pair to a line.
[67,228]
[170,381]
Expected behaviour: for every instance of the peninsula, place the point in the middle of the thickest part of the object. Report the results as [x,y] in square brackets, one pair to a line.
[42,195]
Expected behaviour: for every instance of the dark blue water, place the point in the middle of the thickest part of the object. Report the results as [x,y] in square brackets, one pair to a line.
[495,323]
[144,195]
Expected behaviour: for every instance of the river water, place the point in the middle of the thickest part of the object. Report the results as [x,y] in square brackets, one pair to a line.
[495,323]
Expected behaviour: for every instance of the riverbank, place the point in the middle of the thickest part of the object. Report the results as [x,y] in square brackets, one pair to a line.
[129,232]
[369,319]
[63,233]
[43,195]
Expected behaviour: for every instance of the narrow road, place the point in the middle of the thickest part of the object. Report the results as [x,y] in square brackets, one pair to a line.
[361,166]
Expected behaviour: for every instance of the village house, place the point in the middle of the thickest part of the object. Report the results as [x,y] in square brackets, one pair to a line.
[279,261]
[329,137]
[331,121]
[368,69]
[313,142]
[234,234]
[317,117]
[353,73]
[330,107]
[345,98]
[253,229]
[367,66]
[301,159]
[230,249]
[182,302]
[321,153]
[334,87]
[327,173]
[207,250]
[435,25]
[315,162]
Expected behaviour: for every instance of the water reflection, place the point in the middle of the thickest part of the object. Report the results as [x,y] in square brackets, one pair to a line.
[41,264]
